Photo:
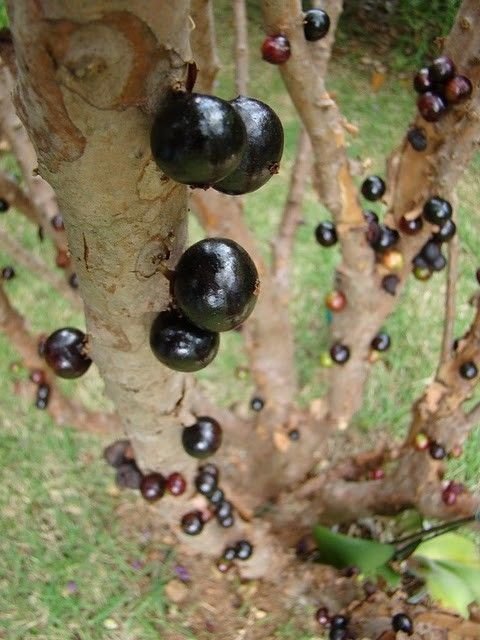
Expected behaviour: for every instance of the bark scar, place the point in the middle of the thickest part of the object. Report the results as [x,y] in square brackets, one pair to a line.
[86,253]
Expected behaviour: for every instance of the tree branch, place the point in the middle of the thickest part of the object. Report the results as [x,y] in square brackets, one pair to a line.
[204,45]
[241,47]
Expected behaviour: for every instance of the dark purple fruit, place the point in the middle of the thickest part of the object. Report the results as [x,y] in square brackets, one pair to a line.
[37,376]
[441,69]
[176,484]
[206,484]
[339,621]
[128,476]
[294,435]
[402,622]
[243,550]
[437,451]
[446,233]
[390,283]
[326,234]
[336,633]
[468,370]
[43,396]
[276,49]
[210,468]
[229,554]
[203,438]
[386,238]
[431,107]
[8,273]
[192,523]
[421,262]
[153,486]
[73,281]
[322,617]
[381,342]
[373,188]
[217,497]
[417,139]
[65,353]
[262,153]
[227,522]
[370,216]
[216,284]
[57,222]
[181,345]
[457,89]
[422,81]
[436,210]
[4,205]
[429,252]
[257,403]
[114,454]
[316,24]
[197,139]
[223,510]
[340,353]
[410,226]
[439,263]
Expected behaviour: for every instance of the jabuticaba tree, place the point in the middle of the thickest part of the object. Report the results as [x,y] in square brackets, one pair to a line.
[123,147]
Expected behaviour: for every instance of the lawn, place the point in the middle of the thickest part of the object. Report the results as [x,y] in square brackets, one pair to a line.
[67,567]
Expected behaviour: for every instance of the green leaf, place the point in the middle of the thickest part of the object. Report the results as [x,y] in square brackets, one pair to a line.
[469,574]
[342,551]
[450,546]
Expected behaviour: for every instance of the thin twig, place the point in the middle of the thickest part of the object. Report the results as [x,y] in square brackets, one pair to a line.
[450,299]
[241,47]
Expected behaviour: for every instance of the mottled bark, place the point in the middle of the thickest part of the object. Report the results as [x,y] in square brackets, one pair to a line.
[241,47]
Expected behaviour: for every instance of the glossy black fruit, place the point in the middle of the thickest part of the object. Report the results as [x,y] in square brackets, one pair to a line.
[439,263]
[386,238]
[294,435]
[181,345]
[217,497]
[381,342]
[337,633]
[206,484]
[276,49]
[257,403]
[203,438]
[441,69]
[210,468]
[326,234]
[340,353]
[262,153]
[4,205]
[402,622]
[437,210]
[229,554]
[243,550]
[437,451]
[128,476]
[57,222]
[446,233]
[176,484]
[373,188]
[431,107]
[468,370]
[410,226]
[152,486]
[8,273]
[457,89]
[370,216]
[339,622]
[197,139]
[227,522]
[316,24]
[430,252]
[216,284]
[390,283]
[224,509]
[73,281]
[65,353]
[417,139]
[43,396]
[192,523]
[422,81]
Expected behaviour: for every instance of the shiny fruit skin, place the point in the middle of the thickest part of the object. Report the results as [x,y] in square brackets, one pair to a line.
[197,139]
[457,89]
[217,497]
[43,396]
[261,156]
[422,273]
[468,370]
[437,451]
[386,238]
[64,353]
[257,403]
[446,233]
[57,222]
[322,617]
[439,263]
[441,70]
[326,234]
[152,487]
[335,301]
[421,442]
[339,622]
[243,550]
[410,226]
[223,510]
[37,376]
[417,139]
[227,522]
[431,107]
[192,523]
[381,342]
[180,345]
[276,49]
[229,554]
[373,188]
[316,24]
[176,484]
[340,353]
[392,260]
[422,81]
[206,484]
[437,211]
[216,284]
[73,281]
[402,622]
[203,438]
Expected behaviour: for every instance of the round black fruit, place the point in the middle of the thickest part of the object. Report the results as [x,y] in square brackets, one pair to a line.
[340,353]
[65,353]
[468,370]
[381,342]
[422,81]
[446,233]
[4,205]
[410,226]
[402,622]
[216,284]
[152,486]
[197,139]
[316,24]
[390,283]
[217,497]
[417,139]
[385,238]
[206,484]
[224,510]
[431,106]
[243,550]
[339,621]
[262,153]
[8,273]
[326,234]
[257,403]
[439,263]
[441,69]
[227,522]
[437,210]
[203,438]
[373,188]
[192,523]
[181,345]
[229,554]
[437,451]
[210,468]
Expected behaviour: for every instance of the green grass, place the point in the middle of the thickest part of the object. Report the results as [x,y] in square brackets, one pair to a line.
[59,514]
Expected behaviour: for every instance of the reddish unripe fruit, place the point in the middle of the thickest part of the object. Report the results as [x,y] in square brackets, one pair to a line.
[392,260]
[65,353]
[276,49]
[390,284]
[340,353]
[431,107]
[57,222]
[422,81]
[176,484]
[223,565]
[376,474]
[192,523]
[410,226]
[37,376]
[421,442]
[335,301]
[456,451]
[458,89]
[449,497]
[322,617]
[63,259]
[152,487]
[441,69]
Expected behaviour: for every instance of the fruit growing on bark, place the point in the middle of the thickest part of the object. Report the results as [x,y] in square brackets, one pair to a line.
[276,49]
[37,376]
[392,260]
[373,188]
[439,263]
[43,396]
[468,370]
[446,232]
[206,484]
[381,342]
[176,484]
[339,621]
[8,273]
[216,284]
[65,353]
[73,281]
[431,107]
[335,301]
[192,523]
[4,205]
[422,81]
[210,468]
[417,139]
[390,284]
[262,153]
[441,70]
[437,210]
[437,451]
[316,24]
[227,522]
[117,453]
[322,617]
[257,403]
[402,622]
[203,438]
[128,475]
[197,139]
[457,89]
[422,273]
[410,226]
[243,550]
[181,345]
[57,222]
[385,238]
[152,486]
[421,442]
[340,353]
[229,554]
[62,259]
[326,234]
[217,497]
